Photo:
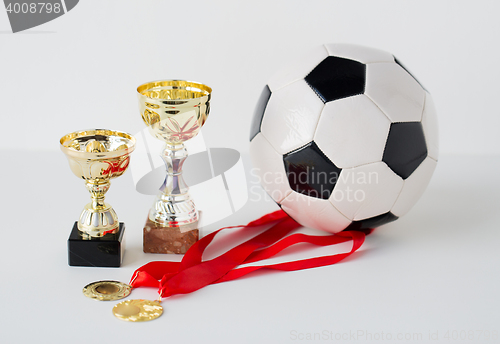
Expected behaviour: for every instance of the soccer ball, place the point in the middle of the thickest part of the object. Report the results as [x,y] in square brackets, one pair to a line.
[344,138]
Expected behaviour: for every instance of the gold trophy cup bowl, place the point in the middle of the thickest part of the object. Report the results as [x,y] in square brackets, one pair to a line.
[174,111]
[97,156]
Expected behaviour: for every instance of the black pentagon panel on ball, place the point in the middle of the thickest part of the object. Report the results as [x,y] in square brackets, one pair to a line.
[407,71]
[372,222]
[336,78]
[310,172]
[258,114]
[405,148]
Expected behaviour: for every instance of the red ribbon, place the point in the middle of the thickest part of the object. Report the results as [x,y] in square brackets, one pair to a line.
[192,273]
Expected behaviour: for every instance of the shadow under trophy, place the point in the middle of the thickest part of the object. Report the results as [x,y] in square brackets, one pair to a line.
[174,111]
[97,156]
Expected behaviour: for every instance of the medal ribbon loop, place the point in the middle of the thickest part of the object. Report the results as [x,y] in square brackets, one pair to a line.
[192,273]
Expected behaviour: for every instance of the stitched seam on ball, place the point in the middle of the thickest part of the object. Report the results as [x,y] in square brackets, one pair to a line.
[399,194]
[291,82]
[378,107]
[374,62]
[314,90]
[341,213]
[317,123]
[270,144]
[423,107]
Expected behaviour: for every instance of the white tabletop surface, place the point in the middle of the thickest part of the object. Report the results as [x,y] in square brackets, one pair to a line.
[431,274]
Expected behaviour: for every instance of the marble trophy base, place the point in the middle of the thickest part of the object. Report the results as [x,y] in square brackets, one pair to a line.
[177,240]
[106,251]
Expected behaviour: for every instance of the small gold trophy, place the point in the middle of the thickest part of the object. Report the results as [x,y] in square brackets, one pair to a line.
[97,156]
[174,111]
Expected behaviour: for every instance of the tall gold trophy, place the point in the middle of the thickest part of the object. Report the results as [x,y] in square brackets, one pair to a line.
[174,111]
[97,156]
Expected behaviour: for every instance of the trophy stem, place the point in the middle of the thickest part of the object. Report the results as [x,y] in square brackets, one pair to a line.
[174,157]
[97,192]
[98,218]
[173,206]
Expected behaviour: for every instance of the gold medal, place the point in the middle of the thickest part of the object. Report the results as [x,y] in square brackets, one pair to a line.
[138,310]
[107,290]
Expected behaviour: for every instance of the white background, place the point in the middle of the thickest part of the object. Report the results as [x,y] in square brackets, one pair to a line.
[81,70]
[436,269]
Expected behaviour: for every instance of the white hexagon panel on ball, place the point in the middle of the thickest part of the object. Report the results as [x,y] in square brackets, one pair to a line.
[352,131]
[292,115]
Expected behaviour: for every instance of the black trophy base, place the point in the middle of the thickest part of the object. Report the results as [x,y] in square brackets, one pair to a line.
[106,251]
